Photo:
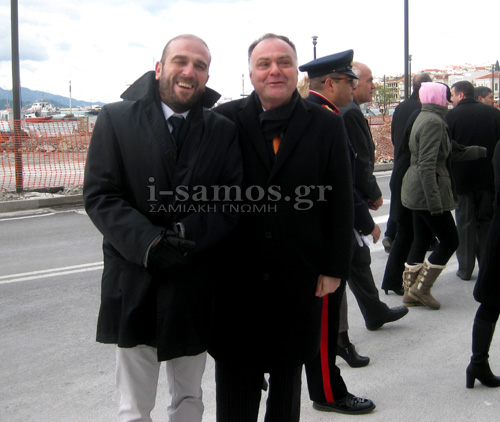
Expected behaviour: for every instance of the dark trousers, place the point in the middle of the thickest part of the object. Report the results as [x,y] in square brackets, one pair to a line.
[488,313]
[393,275]
[324,381]
[363,286]
[239,390]
[391,228]
[473,216]
[425,228]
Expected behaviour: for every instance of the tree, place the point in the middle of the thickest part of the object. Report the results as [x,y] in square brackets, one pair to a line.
[384,95]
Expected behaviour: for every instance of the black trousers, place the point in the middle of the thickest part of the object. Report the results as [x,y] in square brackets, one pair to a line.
[425,227]
[239,390]
[473,216]
[393,275]
[324,382]
[363,286]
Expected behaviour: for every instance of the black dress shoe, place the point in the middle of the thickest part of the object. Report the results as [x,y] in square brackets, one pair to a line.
[350,405]
[392,315]
[351,356]
[398,290]
[387,244]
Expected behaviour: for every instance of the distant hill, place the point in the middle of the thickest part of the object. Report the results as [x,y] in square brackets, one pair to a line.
[28,97]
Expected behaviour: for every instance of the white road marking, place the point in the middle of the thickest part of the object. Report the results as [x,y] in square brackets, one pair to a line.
[53,272]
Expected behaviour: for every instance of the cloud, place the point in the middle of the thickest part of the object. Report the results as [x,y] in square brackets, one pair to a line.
[101,46]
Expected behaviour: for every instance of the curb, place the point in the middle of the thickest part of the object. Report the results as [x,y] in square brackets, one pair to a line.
[36,203]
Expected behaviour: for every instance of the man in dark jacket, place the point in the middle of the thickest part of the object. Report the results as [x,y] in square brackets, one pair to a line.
[152,165]
[472,123]
[331,86]
[375,312]
[402,217]
[291,245]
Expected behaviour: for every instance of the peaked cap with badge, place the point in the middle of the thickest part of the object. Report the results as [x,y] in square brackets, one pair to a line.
[334,63]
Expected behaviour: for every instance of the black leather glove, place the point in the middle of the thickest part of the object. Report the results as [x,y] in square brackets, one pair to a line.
[170,251]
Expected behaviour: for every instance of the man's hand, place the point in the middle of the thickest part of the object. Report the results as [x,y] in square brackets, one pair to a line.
[169,252]
[375,233]
[326,285]
[375,205]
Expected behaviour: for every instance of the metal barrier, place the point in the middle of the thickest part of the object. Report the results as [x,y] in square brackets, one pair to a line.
[52,153]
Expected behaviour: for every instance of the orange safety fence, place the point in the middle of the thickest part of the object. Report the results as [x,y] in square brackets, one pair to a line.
[49,153]
[52,153]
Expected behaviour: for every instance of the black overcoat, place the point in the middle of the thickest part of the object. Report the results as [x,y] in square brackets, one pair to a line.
[487,288]
[266,311]
[363,221]
[474,123]
[360,136]
[132,176]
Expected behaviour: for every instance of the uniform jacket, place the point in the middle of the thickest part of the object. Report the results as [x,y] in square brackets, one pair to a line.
[487,288]
[132,176]
[266,312]
[474,123]
[427,184]
[360,136]
[363,221]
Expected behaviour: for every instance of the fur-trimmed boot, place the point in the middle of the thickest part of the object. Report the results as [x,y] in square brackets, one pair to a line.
[479,367]
[421,289]
[409,277]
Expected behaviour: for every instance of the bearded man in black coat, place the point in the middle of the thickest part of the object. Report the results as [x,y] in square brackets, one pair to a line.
[152,165]
[292,243]
[472,123]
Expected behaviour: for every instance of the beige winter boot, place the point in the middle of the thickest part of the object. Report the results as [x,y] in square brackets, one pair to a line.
[421,289]
[409,277]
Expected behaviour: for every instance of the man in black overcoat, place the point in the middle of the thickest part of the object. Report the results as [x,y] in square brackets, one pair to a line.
[292,243]
[148,189]
[472,123]
[375,312]
[331,82]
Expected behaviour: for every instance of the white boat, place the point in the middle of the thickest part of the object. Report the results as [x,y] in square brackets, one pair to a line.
[42,108]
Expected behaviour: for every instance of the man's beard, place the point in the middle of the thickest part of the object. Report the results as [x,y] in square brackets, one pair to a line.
[169,97]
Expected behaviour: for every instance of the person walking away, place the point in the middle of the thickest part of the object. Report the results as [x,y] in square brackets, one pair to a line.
[427,190]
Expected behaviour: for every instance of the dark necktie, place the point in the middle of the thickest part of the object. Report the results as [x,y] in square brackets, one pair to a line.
[176,122]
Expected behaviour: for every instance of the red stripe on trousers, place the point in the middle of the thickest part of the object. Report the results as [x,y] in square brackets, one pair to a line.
[325,367]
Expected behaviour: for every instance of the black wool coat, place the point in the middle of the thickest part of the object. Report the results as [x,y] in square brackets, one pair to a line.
[132,177]
[474,123]
[487,288]
[363,221]
[358,130]
[266,313]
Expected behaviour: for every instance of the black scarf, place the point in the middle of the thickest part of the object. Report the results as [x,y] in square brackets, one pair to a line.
[274,122]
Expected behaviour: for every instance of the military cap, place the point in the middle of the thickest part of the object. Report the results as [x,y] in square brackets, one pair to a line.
[334,63]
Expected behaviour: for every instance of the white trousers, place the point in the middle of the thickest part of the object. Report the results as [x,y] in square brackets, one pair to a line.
[137,372]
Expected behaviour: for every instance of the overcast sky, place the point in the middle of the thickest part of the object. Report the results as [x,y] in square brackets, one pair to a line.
[104,45]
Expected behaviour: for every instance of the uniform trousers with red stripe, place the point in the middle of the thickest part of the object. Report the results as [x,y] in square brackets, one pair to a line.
[324,381]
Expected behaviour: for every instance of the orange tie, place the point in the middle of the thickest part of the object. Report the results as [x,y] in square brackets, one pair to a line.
[276,143]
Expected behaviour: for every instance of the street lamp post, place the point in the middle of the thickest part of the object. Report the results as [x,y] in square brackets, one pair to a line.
[315,41]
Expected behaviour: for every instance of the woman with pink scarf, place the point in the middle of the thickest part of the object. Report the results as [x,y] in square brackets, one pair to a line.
[428,191]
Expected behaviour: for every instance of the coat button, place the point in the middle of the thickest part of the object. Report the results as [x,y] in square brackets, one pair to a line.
[268,235]
[266,276]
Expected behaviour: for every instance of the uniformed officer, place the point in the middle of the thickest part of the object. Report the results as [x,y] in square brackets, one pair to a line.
[332,82]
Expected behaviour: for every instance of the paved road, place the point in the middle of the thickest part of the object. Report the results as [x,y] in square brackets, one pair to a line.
[53,371]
